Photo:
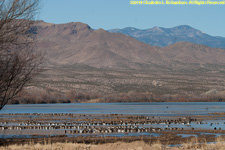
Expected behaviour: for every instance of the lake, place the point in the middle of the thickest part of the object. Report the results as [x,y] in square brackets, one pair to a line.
[154,109]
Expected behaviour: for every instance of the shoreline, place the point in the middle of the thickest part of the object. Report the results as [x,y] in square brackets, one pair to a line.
[119,102]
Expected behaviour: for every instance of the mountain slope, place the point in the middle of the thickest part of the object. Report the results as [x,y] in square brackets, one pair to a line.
[159,36]
[77,44]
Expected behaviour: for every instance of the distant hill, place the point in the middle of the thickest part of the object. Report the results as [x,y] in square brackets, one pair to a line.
[78,44]
[159,36]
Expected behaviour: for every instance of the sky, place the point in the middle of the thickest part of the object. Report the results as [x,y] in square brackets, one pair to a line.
[111,14]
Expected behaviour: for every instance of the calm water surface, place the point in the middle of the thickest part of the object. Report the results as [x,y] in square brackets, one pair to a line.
[166,109]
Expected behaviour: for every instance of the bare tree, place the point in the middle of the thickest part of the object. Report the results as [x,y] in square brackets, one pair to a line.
[18,60]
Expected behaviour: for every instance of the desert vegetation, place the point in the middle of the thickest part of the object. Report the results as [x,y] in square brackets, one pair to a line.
[80,85]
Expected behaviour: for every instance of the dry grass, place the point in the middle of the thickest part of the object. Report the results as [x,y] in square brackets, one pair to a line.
[137,145]
[219,144]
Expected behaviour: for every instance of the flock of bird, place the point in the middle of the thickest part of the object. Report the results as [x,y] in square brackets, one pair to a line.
[132,124]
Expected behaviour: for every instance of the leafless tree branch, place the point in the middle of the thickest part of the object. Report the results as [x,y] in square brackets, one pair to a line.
[19,62]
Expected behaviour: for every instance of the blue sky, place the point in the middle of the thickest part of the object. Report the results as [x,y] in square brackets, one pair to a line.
[110,14]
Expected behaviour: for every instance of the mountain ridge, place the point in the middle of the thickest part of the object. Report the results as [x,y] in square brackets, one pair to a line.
[77,43]
[160,36]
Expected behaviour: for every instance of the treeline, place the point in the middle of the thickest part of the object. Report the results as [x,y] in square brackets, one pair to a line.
[50,96]
[148,97]
[35,96]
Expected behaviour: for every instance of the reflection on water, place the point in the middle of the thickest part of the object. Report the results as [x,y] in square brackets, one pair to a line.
[155,109]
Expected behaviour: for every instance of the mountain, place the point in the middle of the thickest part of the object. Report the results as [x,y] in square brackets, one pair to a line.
[159,36]
[98,62]
[76,43]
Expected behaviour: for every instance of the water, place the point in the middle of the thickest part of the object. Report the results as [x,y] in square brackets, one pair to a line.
[154,109]
[83,135]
